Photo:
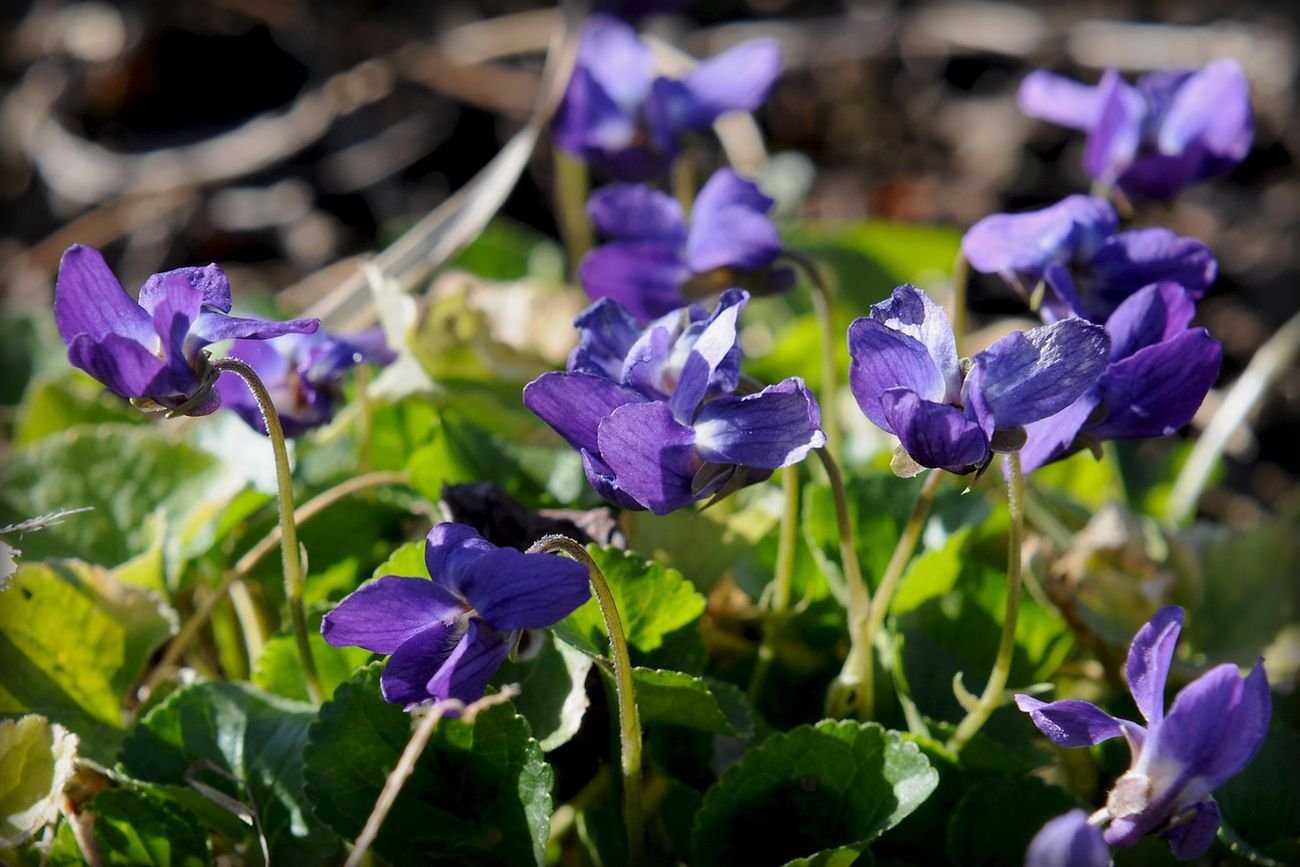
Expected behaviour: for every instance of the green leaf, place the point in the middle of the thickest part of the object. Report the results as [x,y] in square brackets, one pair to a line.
[407,561]
[279,668]
[653,601]
[479,794]
[815,787]
[506,250]
[1262,803]
[842,856]
[251,735]
[55,403]
[134,828]
[73,640]
[674,698]
[36,762]
[994,821]
[553,690]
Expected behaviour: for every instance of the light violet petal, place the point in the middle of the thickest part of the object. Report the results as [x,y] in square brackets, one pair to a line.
[211,327]
[910,311]
[1114,139]
[1071,722]
[1149,657]
[733,237]
[934,434]
[1060,100]
[738,79]
[1027,243]
[774,428]
[652,456]
[1245,731]
[210,280]
[883,358]
[1068,841]
[88,299]
[465,673]
[386,613]
[1195,834]
[1214,726]
[1211,110]
[1158,389]
[174,314]
[645,278]
[611,52]
[513,590]
[635,212]
[1054,436]
[714,348]
[407,672]
[573,404]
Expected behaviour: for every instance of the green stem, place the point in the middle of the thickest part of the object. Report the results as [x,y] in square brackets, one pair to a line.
[628,718]
[960,285]
[780,599]
[823,308]
[683,181]
[855,678]
[992,697]
[572,185]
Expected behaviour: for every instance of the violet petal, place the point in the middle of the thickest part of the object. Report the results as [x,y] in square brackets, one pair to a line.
[386,613]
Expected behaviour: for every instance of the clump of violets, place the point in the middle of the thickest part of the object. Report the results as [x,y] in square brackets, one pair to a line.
[302,373]
[1083,264]
[1214,728]
[1159,372]
[447,636]
[655,412]
[619,116]
[907,379]
[1155,137]
[152,351]
[654,259]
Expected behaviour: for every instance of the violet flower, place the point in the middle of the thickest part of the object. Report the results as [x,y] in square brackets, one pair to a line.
[653,255]
[1215,727]
[655,413]
[907,379]
[1160,370]
[152,351]
[446,637]
[1068,841]
[1085,266]
[302,373]
[617,115]
[1151,139]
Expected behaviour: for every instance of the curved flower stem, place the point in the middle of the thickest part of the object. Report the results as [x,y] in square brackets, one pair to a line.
[823,309]
[855,678]
[960,287]
[992,696]
[628,718]
[572,184]
[289,555]
[774,619]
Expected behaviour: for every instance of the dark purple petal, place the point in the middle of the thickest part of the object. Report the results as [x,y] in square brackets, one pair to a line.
[1030,375]
[602,479]
[935,434]
[513,590]
[1068,841]
[1211,112]
[1195,834]
[910,311]
[774,428]
[1054,436]
[635,212]
[386,613]
[589,123]
[1155,176]
[646,278]
[1158,389]
[883,359]
[714,348]
[1060,100]
[1216,725]
[210,280]
[465,673]
[651,454]
[88,299]
[1149,316]
[1245,732]
[211,327]
[1028,243]
[125,367]
[449,550]
[406,675]
[1114,139]
[573,404]
[1073,723]
[1130,260]
[1149,657]
[733,237]
[606,332]
[738,79]
[174,312]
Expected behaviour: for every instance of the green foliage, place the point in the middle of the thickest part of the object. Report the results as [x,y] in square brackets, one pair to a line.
[36,762]
[995,819]
[1262,804]
[677,699]
[553,689]
[507,250]
[279,668]
[132,828]
[480,793]
[56,403]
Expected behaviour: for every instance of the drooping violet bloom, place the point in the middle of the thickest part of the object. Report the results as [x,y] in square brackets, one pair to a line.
[302,373]
[906,377]
[1151,139]
[1068,841]
[1160,370]
[152,351]
[1215,727]
[446,637]
[655,413]
[653,259]
[1084,265]
[617,115]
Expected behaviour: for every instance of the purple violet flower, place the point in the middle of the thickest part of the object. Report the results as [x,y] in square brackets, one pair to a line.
[447,637]
[152,351]
[1151,139]
[653,255]
[907,379]
[1085,266]
[617,115]
[1160,370]
[1215,727]
[654,412]
[1068,841]
[302,373]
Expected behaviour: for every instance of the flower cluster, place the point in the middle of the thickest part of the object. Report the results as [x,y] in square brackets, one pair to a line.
[656,415]
[447,636]
[1215,727]
[619,116]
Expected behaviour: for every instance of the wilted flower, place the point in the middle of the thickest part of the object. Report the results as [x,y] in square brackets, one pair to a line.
[1151,139]
[907,379]
[1215,727]
[152,351]
[1160,370]
[1068,841]
[652,254]
[617,115]
[446,637]
[302,374]
[1085,266]
[655,415]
